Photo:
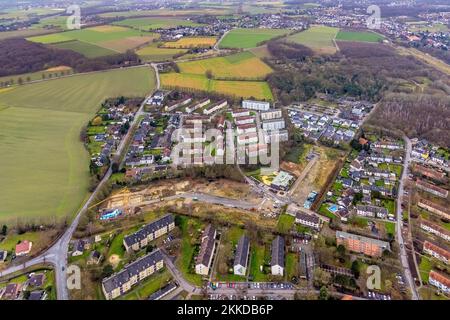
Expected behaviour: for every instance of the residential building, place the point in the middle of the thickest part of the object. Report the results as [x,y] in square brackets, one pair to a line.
[436,251]
[271,114]
[247,138]
[360,244]
[387,145]
[256,105]
[282,181]
[95,257]
[277,262]
[282,135]
[440,281]
[148,233]
[431,188]
[244,120]
[216,107]
[3,255]
[435,208]
[241,256]
[435,229]
[307,220]
[207,247]
[240,113]
[245,128]
[198,105]
[163,292]
[37,295]
[12,291]
[23,248]
[132,274]
[274,124]
[372,211]
[176,104]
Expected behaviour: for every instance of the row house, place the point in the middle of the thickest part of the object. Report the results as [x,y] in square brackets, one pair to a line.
[431,188]
[387,145]
[176,104]
[132,274]
[216,107]
[437,252]
[240,113]
[435,208]
[371,211]
[249,138]
[307,220]
[435,229]
[198,105]
[245,128]
[440,281]
[206,254]
[149,232]
[241,256]
[244,120]
[277,261]
[281,135]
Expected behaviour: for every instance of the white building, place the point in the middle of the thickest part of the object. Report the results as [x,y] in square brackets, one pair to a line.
[216,107]
[277,262]
[271,114]
[256,105]
[274,124]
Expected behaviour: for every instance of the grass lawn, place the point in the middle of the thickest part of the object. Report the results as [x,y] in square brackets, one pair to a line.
[45,165]
[190,229]
[359,36]
[292,265]
[243,65]
[318,38]
[425,267]
[149,286]
[249,38]
[285,223]
[258,256]
[390,227]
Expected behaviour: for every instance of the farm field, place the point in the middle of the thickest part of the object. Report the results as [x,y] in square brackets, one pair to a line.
[154,53]
[46,167]
[155,23]
[115,38]
[23,33]
[52,72]
[358,36]
[318,38]
[84,48]
[243,65]
[249,38]
[192,42]
[245,89]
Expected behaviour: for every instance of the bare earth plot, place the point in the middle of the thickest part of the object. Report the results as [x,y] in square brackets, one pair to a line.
[45,167]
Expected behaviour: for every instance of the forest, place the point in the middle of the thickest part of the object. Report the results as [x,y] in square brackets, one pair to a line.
[21,56]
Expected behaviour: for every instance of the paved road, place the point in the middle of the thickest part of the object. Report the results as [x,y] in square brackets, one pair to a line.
[403,254]
[57,254]
[220,200]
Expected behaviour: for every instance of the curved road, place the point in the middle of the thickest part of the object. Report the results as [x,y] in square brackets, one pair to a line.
[57,254]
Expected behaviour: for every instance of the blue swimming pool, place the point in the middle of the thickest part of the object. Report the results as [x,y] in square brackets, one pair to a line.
[333,208]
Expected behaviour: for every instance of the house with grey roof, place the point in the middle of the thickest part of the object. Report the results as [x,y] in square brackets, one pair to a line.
[241,256]
[132,274]
[206,254]
[277,262]
[148,233]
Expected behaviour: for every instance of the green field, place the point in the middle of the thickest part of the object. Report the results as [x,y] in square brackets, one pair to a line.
[318,38]
[33,76]
[244,65]
[249,38]
[115,38]
[154,53]
[84,48]
[155,23]
[45,165]
[359,36]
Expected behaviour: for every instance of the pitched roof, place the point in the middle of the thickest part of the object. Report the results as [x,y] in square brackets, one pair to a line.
[148,229]
[117,280]
[207,246]
[241,257]
[346,235]
[278,252]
